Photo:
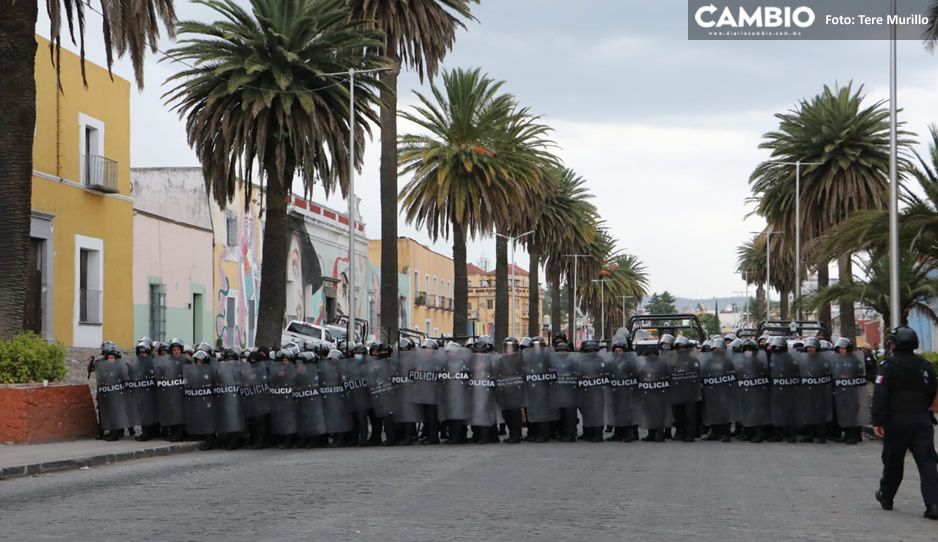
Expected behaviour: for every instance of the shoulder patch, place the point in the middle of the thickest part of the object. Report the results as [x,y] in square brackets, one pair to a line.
[880,379]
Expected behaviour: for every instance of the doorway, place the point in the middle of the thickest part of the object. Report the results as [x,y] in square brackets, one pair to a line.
[32,313]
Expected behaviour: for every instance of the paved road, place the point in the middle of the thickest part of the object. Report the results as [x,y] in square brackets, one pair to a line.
[609,491]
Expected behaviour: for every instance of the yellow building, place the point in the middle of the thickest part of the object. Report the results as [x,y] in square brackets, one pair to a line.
[425,283]
[482,301]
[82,210]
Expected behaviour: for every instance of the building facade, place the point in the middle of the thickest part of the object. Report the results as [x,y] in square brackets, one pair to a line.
[81,249]
[482,301]
[425,282]
[173,253]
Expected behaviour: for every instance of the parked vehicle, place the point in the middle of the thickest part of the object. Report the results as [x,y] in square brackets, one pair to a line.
[300,332]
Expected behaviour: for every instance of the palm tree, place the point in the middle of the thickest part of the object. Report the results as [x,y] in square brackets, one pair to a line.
[131,35]
[597,249]
[850,141]
[873,292]
[418,34]
[750,263]
[624,276]
[466,171]
[567,218]
[254,96]
[527,139]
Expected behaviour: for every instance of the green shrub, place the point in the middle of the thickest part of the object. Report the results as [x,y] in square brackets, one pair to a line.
[29,358]
[931,357]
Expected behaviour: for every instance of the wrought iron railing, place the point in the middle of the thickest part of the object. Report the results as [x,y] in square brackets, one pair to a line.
[99,173]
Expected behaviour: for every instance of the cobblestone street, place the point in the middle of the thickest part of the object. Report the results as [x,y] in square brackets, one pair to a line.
[640,491]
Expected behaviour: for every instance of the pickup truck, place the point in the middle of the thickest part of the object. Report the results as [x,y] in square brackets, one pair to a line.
[300,332]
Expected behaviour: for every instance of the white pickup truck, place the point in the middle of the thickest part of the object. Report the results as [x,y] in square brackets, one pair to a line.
[300,332]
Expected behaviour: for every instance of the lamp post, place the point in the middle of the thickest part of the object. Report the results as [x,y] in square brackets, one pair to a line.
[602,305]
[768,269]
[797,165]
[512,305]
[895,314]
[576,258]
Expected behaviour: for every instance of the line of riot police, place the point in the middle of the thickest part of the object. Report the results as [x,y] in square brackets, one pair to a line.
[310,395]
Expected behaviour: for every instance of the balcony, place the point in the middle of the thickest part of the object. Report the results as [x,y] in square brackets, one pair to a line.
[89,306]
[421,300]
[99,173]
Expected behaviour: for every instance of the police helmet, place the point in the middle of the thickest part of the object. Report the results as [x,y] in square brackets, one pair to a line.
[511,345]
[360,350]
[717,346]
[538,341]
[589,346]
[620,344]
[201,356]
[681,343]
[560,336]
[429,344]
[750,345]
[307,357]
[826,346]
[778,344]
[334,354]
[563,347]
[525,342]
[666,341]
[843,344]
[246,353]
[204,347]
[812,342]
[144,348]
[176,341]
[109,348]
[481,347]
[904,339]
[735,346]
[380,349]
[729,337]
[405,344]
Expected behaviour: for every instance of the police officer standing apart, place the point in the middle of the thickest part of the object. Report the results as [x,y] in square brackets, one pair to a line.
[905,389]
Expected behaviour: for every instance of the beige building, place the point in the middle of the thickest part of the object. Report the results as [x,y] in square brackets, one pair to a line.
[482,301]
[425,285]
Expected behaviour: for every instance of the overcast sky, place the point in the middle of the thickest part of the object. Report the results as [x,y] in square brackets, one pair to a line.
[665,130]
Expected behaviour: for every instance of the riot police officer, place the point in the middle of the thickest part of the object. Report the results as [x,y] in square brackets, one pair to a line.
[512,416]
[905,389]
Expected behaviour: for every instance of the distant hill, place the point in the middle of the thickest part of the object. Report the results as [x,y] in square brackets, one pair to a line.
[687,304]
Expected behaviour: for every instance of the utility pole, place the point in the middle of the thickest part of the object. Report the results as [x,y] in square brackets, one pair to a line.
[602,304]
[895,313]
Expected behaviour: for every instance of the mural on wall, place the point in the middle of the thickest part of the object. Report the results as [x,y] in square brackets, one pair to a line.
[304,275]
[238,279]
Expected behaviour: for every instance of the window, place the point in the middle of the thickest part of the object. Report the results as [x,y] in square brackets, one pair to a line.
[469,305]
[91,149]
[416,283]
[230,321]
[231,221]
[489,304]
[251,322]
[89,290]
[157,312]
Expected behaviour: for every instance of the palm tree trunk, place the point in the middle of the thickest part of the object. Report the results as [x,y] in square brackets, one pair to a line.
[553,277]
[390,322]
[502,299]
[460,282]
[18,94]
[272,305]
[571,313]
[534,292]
[783,305]
[823,281]
[848,317]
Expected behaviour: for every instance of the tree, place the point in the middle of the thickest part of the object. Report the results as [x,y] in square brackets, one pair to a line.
[417,34]
[710,323]
[254,97]
[466,172]
[624,276]
[124,34]
[661,304]
[850,141]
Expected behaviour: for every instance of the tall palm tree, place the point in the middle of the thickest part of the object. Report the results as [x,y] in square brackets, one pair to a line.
[527,137]
[750,263]
[417,34]
[466,172]
[850,141]
[597,251]
[129,35]
[624,276]
[255,97]
[567,218]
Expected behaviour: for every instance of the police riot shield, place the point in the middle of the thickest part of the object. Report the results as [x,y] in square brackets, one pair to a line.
[755,391]
[509,381]
[539,379]
[281,378]
[141,387]
[379,374]
[815,390]
[335,412]
[422,375]
[851,393]
[720,389]
[456,402]
[654,385]
[170,393]
[407,411]
[783,368]
[255,395]
[200,412]
[357,398]
[111,394]
[482,390]
[229,415]
[622,393]
[685,376]
[591,386]
[309,414]
[563,389]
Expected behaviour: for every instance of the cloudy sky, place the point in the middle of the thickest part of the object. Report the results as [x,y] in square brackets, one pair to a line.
[665,130]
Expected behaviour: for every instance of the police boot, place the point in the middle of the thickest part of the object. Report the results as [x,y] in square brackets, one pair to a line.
[493,434]
[757,436]
[852,435]
[727,434]
[617,435]
[712,435]
[931,511]
[775,435]
[650,437]
[631,434]
[597,435]
[111,436]
[502,429]
[884,503]
[659,435]
[375,438]
[406,434]
[792,435]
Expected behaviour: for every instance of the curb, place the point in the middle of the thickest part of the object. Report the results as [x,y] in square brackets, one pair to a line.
[96,460]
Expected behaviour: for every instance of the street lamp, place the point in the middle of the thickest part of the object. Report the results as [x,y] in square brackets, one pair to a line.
[602,304]
[351,200]
[512,305]
[895,314]
[576,258]
[768,268]
[797,165]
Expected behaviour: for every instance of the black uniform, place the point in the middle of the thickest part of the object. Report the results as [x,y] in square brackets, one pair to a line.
[905,389]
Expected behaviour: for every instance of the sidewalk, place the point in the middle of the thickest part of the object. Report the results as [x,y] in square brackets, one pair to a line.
[29,459]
